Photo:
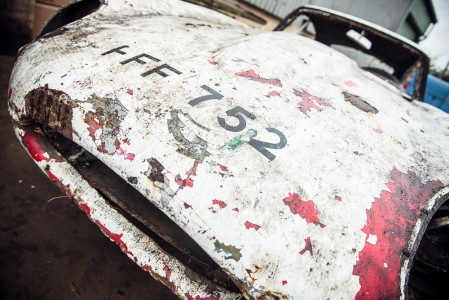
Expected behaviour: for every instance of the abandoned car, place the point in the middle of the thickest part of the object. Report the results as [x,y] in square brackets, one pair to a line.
[234,163]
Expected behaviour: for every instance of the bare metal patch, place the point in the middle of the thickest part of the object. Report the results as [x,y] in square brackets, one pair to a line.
[50,108]
[155,173]
[360,103]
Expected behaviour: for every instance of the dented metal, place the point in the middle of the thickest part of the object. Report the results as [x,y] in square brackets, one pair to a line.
[298,173]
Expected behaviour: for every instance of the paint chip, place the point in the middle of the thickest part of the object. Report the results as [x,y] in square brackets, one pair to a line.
[305,209]
[252,75]
[358,102]
[350,83]
[219,203]
[372,239]
[307,247]
[378,130]
[250,225]
[272,94]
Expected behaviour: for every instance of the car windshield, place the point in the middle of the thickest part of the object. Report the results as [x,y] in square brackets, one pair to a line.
[373,48]
[364,60]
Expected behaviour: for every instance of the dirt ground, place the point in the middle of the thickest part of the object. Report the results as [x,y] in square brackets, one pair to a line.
[48,247]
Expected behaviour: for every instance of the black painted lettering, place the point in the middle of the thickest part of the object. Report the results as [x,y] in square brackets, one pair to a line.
[116,50]
[262,146]
[137,59]
[214,95]
[158,71]
[238,113]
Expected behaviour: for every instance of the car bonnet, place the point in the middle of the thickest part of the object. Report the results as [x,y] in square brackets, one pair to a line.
[297,172]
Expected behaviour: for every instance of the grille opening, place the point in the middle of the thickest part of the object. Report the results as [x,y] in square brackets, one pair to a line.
[430,272]
[71,13]
[140,211]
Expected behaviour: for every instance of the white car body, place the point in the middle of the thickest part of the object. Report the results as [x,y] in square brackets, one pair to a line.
[299,174]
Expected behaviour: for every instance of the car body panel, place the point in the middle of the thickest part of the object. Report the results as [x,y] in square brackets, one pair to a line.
[296,171]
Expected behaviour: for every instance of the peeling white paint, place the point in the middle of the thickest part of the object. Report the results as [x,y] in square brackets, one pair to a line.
[300,215]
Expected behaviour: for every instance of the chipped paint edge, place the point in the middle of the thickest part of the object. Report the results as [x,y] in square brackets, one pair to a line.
[426,214]
[140,248]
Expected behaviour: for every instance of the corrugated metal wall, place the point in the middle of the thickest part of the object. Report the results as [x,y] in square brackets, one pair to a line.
[387,13]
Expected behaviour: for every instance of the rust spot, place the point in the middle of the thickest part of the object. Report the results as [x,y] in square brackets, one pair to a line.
[360,103]
[50,108]
[132,180]
[155,174]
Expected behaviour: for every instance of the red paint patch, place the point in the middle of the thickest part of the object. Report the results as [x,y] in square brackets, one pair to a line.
[9,93]
[338,198]
[33,143]
[212,62]
[52,176]
[68,191]
[128,156]
[250,74]
[223,168]
[249,225]
[273,94]
[86,208]
[168,272]
[378,130]
[116,238]
[186,205]
[307,247]
[93,124]
[188,181]
[349,83]
[308,103]
[305,209]
[129,91]
[148,268]
[184,182]
[219,203]
[235,209]
[391,218]
[284,282]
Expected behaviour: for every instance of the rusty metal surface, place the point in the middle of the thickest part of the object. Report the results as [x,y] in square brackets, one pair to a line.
[297,172]
[135,244]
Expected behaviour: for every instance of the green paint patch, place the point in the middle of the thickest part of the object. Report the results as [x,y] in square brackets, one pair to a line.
[197,147]
[240,140]
[232,251]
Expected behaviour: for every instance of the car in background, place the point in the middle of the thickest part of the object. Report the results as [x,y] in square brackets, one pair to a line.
[375,49]
[232,163]
[436,94]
